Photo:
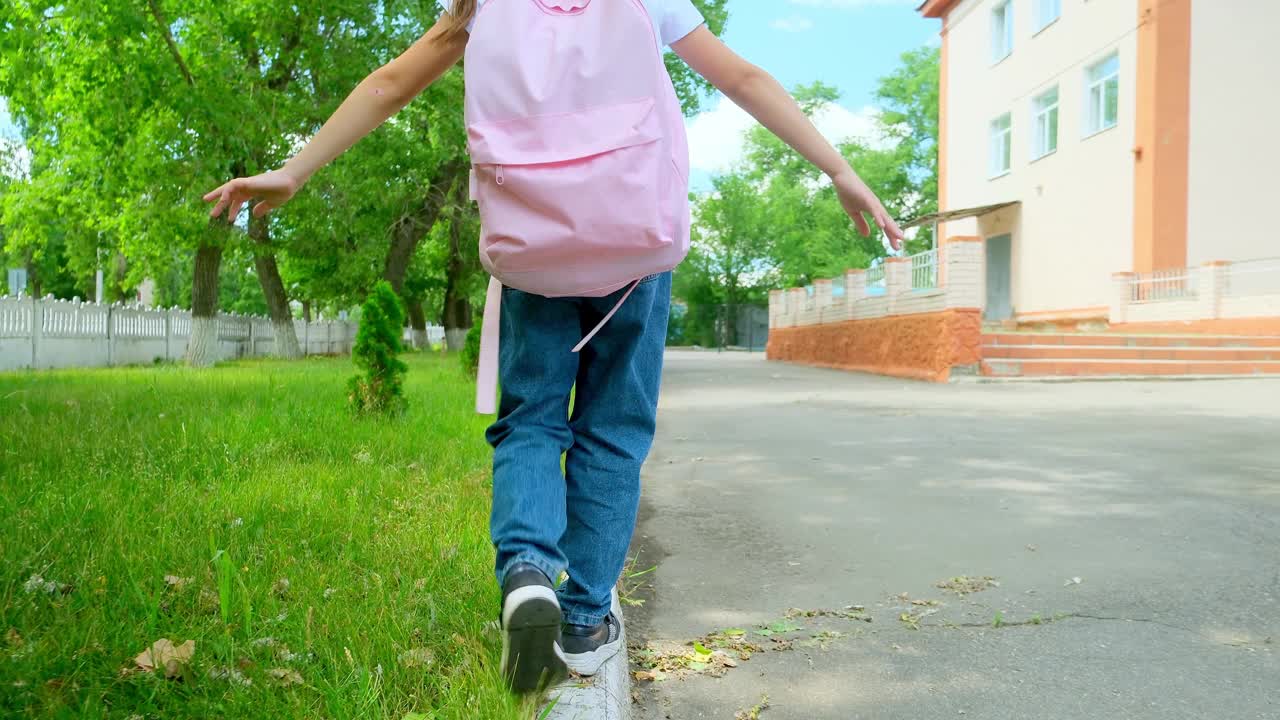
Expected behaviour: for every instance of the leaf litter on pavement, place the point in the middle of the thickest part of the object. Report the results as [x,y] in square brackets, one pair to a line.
[718,652]
[966,585]
[753,713]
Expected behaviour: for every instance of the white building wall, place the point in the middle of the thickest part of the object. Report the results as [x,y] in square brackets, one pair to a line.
[1075,225]
[1233,151]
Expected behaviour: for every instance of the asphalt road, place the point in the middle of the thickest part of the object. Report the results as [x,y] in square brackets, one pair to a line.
[1132,531]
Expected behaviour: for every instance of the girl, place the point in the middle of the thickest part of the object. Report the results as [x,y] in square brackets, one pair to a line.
[601,193]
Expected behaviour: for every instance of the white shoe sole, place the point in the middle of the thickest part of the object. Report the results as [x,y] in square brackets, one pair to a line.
[588,664]
[531,656]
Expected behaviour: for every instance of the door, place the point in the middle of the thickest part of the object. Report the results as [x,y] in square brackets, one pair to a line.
[999,278]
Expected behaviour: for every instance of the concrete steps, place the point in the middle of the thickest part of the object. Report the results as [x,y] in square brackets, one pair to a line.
[1115,355]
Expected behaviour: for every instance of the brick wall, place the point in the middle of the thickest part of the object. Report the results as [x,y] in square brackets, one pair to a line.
[925,346]
[912,332]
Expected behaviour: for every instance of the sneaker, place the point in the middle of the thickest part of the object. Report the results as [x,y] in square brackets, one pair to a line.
[586,649]
[531,656]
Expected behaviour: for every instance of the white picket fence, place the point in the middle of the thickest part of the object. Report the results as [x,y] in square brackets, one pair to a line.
[46,333]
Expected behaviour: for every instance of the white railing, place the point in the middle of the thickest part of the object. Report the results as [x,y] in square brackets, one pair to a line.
[876,279]
[924,270]
[1163,285]
[1253,277]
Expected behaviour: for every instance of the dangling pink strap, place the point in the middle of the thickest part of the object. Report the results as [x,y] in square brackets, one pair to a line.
[606,319]
[490,332]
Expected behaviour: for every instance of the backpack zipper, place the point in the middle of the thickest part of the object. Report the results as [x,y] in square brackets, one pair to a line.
[498,177]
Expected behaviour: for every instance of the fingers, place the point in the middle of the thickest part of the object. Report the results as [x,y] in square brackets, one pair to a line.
[860,221]
[236,206]
[215,193]
[223,198]
[891,229]
[263,207]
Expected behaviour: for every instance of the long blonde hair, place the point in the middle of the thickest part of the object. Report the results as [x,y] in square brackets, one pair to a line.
[461,14]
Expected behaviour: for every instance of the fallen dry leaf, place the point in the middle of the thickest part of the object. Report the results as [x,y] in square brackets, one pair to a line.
[177,583]
[417,657]
[38,584]
[285,676]
[851,612]
[164,655]
[231,675]
[966,585]
[753,713]
[664,658]
[13,638]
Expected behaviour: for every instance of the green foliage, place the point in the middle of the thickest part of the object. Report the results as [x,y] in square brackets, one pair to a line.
[130,110]
[775,221]
[690,87]
[471,347]
[376,351]
[229,480]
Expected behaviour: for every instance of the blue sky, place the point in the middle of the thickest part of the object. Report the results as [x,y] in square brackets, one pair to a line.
[845,43]
[849,44]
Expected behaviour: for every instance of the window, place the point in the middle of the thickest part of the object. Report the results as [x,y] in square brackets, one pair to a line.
[1046,12]
[1001,31]
[1001,145]
[1045,139]
[1103,103]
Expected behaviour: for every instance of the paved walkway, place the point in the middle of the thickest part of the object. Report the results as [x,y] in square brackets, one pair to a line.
[1132,531]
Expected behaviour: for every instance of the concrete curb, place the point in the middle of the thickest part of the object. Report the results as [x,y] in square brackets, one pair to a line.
[607,696]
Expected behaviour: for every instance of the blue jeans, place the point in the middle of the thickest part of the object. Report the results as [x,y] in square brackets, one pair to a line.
[581,519]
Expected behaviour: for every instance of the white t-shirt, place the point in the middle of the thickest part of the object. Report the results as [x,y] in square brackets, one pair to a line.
[672,19]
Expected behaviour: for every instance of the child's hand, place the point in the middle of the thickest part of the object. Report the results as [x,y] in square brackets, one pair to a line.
[270,190]
[857,199]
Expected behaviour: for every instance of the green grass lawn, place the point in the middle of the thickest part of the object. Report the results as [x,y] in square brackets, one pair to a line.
[325,566]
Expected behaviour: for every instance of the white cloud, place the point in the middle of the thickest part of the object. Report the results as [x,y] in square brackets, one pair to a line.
[717,137]
[793,24]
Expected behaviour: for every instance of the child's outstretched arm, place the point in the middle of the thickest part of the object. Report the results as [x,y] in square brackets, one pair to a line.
[757,92]
[379,96]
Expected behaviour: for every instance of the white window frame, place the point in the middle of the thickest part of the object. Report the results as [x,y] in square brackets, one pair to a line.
[1047,13]
[1001,31]
[1000,148]
[1095,97]
[1044,136]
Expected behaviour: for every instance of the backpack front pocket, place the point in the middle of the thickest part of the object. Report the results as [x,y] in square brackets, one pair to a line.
[560,192]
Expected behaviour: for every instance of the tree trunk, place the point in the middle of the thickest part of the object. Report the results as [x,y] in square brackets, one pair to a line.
[282,329]
[202,346]
[418,322]
[456,313]
[456,316]
[306,311]
[413,226]
[115,291]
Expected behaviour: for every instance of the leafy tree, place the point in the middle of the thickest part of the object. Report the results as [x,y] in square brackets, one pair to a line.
[381,388]
[775,220]
[138,106]
[690,87]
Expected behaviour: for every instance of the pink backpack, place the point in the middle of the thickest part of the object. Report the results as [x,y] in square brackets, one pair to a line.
[580,160]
